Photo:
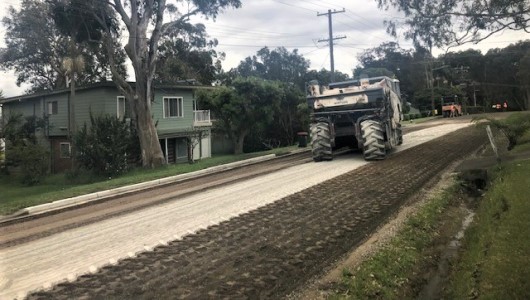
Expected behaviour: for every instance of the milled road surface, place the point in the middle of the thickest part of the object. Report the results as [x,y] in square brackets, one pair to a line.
[264,253]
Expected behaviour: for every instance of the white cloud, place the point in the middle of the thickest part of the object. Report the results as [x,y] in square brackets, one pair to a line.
[294,24]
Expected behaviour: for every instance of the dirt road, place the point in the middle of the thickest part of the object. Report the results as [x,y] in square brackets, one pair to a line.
[271,250]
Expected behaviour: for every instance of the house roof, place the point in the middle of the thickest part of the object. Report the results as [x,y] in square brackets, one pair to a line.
[182,85]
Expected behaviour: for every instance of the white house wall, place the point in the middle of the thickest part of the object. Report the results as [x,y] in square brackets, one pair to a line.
[204,148]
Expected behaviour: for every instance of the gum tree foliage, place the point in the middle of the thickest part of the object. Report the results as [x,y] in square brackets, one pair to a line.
[35,49]
[455,22]
[145,23]
[278,64]
[324,76]
[290,70]
[248,105]
[290,116]
[523,74]
[188,56]
[505,76]
[391,60]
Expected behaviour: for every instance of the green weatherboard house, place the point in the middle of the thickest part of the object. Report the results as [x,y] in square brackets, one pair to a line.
[174,110]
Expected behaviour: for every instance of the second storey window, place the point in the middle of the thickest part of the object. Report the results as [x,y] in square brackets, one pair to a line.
[173,107]
[52,108]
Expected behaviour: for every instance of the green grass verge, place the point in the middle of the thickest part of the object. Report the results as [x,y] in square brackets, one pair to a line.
[14,195]
[389,272]
[495,262]
[523,145]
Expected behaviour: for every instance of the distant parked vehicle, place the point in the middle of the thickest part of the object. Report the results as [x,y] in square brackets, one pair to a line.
[447,110]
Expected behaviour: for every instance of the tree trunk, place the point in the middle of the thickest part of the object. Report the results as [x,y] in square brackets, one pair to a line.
[527,102]
[238,146]
[152,155]
[239,141]
[72,130]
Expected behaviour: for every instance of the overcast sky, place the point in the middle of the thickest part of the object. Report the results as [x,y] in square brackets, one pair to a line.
[295,25]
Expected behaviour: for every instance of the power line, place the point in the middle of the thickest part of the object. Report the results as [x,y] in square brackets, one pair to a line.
[296,6]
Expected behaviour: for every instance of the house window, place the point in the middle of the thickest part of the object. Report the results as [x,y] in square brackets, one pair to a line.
[121,106]
[173,107]
[182,148]
[52,108]
[65,150]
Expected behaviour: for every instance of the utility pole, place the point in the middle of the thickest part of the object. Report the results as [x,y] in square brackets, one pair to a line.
[331,38]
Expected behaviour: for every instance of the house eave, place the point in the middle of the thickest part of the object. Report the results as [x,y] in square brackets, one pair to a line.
[181,86]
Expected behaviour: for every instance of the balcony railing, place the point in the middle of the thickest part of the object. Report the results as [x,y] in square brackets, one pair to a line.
[202,118]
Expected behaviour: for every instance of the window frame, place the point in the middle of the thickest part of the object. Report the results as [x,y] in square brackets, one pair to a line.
[180,107]
[52,108]
[61,152]
[118,98]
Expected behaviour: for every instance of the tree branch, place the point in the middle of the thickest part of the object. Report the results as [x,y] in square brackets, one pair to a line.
[119,8]
[167,26]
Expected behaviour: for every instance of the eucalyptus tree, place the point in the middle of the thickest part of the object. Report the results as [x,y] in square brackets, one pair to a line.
[455,22]
[36,49]
[145,23]
[191,55]
[277,64]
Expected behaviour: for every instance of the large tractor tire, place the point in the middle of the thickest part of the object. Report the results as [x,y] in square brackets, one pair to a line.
[321,141]
[399,134]
[373,140]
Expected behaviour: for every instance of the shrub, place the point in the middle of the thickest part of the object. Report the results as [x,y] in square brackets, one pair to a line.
[107,147]
[406,117]
[33,161]
[22,148]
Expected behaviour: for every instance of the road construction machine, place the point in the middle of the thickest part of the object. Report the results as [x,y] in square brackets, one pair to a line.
[360,114]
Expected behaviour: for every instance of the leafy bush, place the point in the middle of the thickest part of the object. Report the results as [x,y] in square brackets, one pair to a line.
[33,160]
[107,147]
[23,150]
[406,117]
[406,108]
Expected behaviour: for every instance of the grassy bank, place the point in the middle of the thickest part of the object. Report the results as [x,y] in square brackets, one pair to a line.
[15,196]
[392,272]
[495,259]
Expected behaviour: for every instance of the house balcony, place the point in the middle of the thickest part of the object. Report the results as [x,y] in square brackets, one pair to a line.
[202,118]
